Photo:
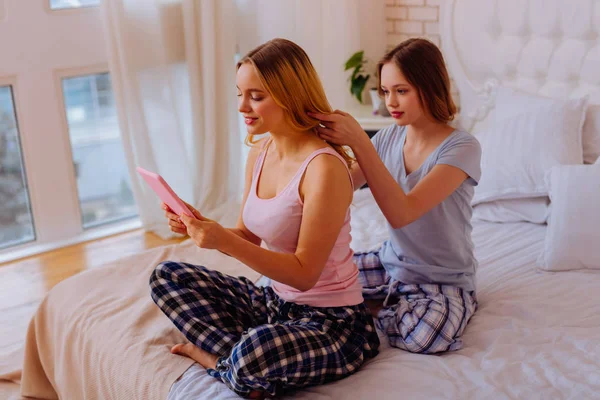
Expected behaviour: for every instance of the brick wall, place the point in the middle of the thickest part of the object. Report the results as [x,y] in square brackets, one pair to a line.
[411,18]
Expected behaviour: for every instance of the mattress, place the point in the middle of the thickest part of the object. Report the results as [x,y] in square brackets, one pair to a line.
[536,334]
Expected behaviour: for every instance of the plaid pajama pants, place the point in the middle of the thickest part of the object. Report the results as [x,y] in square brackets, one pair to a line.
[423,318]
[264,342]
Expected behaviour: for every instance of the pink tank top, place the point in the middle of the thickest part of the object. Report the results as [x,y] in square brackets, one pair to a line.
[277,222]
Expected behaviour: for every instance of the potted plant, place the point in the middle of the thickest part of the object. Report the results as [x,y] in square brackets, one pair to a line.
[358,80]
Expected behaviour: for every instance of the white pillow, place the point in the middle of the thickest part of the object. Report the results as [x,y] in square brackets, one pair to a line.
[573,233]
[533,210]
[529,135]
[591,135]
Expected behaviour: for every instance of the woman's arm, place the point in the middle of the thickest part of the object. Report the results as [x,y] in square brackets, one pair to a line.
[358,178]
[399,208]
[240,230]
[327,196]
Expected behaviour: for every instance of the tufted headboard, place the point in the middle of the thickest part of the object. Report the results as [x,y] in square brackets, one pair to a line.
[545,47]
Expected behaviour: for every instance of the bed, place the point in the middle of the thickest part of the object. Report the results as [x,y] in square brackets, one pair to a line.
[524,342]
[537,331]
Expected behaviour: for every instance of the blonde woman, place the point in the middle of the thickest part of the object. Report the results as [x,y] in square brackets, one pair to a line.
[311,325]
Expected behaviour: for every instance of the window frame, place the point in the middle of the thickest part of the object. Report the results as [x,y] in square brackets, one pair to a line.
[11,82]
[68,10]
[72,230]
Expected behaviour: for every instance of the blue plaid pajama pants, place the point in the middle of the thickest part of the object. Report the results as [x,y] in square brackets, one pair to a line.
[264,342]
[423,318]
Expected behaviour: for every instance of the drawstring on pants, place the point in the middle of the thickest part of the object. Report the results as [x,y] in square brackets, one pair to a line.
[391,289]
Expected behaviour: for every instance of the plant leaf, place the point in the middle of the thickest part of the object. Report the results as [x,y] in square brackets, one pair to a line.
[355,73]
[356,60]
[358,86]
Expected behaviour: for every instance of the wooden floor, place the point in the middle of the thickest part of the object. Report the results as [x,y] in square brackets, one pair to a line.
[24,283]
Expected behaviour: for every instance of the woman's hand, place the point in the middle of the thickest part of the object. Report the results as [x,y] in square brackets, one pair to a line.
[175,222]
[340,128]
[206,233]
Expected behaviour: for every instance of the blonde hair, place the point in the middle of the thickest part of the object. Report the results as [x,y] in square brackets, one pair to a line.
[422,64]
[290,78]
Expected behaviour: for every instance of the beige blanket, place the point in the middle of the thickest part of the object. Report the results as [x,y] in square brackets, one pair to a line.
[98,335]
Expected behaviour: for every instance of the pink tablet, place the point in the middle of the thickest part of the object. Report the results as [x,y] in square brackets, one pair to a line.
[164,191]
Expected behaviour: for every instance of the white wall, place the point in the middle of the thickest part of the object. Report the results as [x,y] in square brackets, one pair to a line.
[38,47]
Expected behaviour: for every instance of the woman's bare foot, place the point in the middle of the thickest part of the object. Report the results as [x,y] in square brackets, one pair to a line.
[202,357]
[207,360]
[255,394]
[374,306]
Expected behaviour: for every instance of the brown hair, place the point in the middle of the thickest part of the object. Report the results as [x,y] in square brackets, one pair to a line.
[290,78]
[422,64]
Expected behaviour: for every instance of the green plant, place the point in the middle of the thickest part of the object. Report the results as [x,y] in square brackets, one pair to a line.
[359,77]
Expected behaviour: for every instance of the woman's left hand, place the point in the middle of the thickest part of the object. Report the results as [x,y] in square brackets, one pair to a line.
[206,233]
[340,128]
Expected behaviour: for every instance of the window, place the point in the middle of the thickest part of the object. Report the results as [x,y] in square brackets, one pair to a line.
[64,4]
[66,170]
[103,182]
[16,221]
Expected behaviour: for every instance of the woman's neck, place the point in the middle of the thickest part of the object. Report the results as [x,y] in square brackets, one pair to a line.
[426,130]
[290,142]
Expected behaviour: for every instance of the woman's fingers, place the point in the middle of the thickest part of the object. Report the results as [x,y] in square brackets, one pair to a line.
[324,117]
[328,124]
[165,207]
[176,224]
[340,112]
[326,132]
[169,213]
[171,216]
[194,211]
[180,231]
[322,133]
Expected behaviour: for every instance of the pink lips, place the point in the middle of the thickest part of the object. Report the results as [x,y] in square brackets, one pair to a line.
[249,121]
[397,114]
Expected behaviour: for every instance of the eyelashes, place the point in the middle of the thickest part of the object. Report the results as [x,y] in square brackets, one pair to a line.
[251,98]
[399,91]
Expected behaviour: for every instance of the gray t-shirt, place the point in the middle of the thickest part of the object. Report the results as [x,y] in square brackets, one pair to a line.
[436,248]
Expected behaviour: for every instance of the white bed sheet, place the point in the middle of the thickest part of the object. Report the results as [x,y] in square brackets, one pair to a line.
[536,334]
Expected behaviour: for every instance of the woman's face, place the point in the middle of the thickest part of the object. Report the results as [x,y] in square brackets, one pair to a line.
[401,98]
[261,113]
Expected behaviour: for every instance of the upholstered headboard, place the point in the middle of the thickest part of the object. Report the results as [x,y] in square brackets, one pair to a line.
[545,47]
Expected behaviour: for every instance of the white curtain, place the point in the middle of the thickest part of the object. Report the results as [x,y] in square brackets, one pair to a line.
[172,67]
[172,64]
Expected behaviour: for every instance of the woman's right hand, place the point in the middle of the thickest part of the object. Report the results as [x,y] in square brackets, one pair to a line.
[340,128]
[174,221]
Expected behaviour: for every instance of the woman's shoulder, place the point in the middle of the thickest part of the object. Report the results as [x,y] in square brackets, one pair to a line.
[463,135]
[328,176]
[387,137]
[326,166]
[255,149]
[323,158]
[463,139]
